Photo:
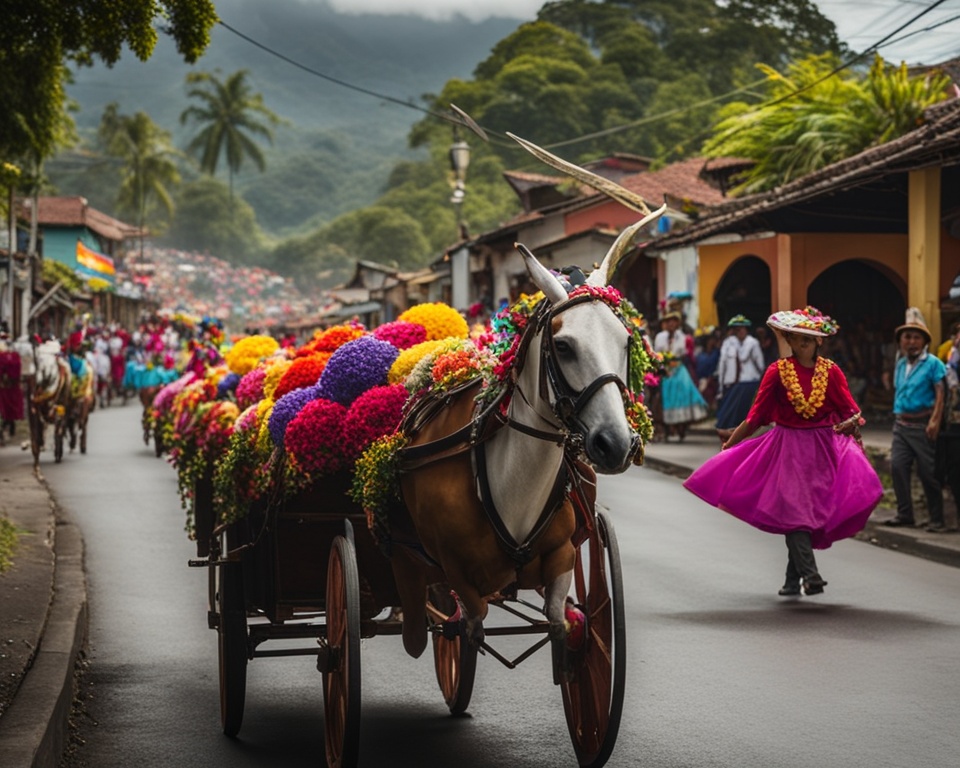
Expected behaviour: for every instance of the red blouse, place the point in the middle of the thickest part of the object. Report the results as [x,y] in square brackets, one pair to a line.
[771,403]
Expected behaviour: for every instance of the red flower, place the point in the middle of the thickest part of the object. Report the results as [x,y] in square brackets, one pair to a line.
[372,415]
[303,372]
[314,437]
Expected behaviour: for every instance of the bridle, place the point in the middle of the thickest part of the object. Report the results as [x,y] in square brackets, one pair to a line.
[568,403]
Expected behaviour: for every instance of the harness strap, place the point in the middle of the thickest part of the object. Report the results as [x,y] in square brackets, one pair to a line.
[520,553]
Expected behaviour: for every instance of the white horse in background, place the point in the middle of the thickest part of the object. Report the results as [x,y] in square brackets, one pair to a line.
[48,393]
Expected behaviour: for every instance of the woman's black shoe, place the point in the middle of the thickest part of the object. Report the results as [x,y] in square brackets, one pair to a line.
[898,522]
[813,585]
[789,590]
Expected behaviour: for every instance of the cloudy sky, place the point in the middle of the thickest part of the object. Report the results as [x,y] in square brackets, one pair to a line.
[860,23]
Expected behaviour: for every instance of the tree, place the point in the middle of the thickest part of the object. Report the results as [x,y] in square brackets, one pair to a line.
[38,38]
[815,116]
[227,115]
[148,169]
[208,219]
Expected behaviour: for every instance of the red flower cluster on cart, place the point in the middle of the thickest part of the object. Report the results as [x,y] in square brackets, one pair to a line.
[331,339]
[401,334]
[314,437]
[303,372]
[250,389]
[375,413]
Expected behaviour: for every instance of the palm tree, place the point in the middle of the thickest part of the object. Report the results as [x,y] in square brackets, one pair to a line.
[816,116]
[228,114]
[148,157]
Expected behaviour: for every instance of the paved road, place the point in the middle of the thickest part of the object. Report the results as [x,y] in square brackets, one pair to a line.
[721,672]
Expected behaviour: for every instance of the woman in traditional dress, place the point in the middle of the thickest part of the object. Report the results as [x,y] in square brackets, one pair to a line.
[739,371]
[808,477]
[682,402]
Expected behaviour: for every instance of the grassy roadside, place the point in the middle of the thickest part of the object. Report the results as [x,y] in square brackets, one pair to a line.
[9,536]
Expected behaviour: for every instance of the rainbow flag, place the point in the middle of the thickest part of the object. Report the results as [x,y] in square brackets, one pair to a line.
[95,262]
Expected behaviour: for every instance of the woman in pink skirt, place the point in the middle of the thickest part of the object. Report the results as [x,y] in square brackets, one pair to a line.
[808,477]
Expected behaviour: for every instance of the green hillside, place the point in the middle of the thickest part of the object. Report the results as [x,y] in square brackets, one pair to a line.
[339,145]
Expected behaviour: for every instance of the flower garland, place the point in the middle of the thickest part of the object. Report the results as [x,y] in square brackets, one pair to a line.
[376,485]
[807,408]
[439,320]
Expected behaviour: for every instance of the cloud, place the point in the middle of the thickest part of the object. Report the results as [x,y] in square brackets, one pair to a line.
[442,10]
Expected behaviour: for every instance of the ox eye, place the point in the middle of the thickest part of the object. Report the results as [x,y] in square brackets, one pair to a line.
[564,349]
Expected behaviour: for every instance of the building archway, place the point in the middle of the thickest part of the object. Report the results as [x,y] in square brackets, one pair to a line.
[744,289]
[868,302]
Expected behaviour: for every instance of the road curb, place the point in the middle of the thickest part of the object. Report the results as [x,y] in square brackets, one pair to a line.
[891,538]
[35,728]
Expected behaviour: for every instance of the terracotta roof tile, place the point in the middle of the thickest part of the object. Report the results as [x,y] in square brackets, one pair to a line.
[679,180]
[76,212]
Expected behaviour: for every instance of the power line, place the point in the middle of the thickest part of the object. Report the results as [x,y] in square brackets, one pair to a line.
[330,78]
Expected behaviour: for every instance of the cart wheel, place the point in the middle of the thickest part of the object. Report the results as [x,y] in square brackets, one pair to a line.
[455,659]
[593,696]
[341,676]
[232,636]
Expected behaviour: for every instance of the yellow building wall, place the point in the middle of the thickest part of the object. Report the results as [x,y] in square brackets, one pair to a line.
[805,257]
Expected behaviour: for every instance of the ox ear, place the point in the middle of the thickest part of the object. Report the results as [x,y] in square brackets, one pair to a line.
[552,288]
[602,274]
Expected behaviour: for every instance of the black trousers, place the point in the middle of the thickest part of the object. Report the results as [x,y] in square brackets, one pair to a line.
[800,560]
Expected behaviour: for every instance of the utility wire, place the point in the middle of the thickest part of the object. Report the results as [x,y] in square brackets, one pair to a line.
[449,118]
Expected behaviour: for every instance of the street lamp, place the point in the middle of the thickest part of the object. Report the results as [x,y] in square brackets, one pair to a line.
[459,161]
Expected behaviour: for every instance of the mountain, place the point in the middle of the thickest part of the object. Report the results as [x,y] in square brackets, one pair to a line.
[340,144]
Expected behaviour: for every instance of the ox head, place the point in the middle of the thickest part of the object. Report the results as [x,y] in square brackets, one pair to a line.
[585,344]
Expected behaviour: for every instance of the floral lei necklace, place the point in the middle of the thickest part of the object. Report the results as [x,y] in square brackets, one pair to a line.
[818,392]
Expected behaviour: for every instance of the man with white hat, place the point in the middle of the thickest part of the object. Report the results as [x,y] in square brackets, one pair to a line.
[918,381]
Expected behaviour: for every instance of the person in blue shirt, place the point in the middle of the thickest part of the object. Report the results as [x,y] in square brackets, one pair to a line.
[918,382]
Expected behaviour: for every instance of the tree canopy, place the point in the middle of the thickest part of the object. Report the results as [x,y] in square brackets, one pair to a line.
[814,117]
[226,116]
[40,38]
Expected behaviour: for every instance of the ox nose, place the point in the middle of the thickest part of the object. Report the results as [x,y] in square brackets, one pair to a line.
[608,450]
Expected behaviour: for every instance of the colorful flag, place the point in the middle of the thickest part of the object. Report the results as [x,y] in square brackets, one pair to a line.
[95,262]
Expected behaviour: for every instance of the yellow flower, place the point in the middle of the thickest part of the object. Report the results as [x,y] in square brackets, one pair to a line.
[410,357]
[275,370]
[439,320]
[243,356]
[818,392]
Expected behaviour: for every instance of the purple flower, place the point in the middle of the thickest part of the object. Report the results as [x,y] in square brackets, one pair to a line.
[356,367]
[227,384]
[285,409]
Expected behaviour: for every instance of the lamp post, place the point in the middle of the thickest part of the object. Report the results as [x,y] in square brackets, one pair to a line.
[460,258]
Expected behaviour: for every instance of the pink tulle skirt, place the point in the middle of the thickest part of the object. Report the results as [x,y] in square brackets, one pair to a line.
[793,479]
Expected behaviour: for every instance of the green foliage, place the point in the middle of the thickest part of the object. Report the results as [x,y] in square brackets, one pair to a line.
[226,113]
[9,536]
[811,120]
[39,37]
[54,271]
[147,170]
[208,220]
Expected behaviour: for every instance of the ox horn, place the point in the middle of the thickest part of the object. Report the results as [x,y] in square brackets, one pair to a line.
[602,274]
[542,277]
[631,200]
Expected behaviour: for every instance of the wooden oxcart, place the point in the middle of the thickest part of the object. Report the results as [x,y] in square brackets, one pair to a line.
[268,581]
